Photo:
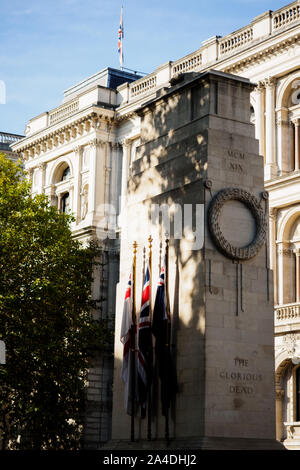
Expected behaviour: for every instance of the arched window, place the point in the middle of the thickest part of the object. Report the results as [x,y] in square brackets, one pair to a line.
[252,115]
[292,129]
[66,174]
[288,258]
[65,203]
[287,123]
[62,187]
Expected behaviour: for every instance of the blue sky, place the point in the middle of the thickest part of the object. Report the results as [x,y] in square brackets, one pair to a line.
[47,46]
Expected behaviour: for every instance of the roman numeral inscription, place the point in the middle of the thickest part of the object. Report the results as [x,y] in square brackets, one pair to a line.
[236,158]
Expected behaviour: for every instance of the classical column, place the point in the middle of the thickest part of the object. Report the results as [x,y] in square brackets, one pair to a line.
[272,249]
[282,136]
[92,176]
[115,188]
[292,146]
[297,279]
[29,172]
[283,272]
[125,161]
[296,144]
[259,117]
[42,168]
[59,202]
[77,182]
[271,165]
[279,413]
[107,185]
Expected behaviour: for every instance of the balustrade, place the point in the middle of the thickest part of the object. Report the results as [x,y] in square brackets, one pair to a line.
[187,64]
[6,138]
[285,16]
[142,85]
[63,111]
[235,40]
[287,312]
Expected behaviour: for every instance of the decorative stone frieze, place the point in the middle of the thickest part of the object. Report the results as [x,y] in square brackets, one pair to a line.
[273,213]
[290,342]
[263,55]
[279,394]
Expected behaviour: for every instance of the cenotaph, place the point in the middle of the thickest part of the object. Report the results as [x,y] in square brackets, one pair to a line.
[199,181]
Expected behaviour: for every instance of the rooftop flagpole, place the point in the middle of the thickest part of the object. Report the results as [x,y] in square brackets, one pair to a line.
[120,40]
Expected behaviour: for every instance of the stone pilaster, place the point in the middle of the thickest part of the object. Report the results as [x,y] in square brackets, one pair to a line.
[271,168]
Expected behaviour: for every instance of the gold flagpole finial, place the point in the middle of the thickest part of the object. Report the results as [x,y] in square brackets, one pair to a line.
[134,279]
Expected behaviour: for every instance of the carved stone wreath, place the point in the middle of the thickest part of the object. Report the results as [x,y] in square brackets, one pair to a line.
[256,210]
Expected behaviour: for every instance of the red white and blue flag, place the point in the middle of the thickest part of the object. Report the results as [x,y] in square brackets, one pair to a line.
[161,329]
[144,364]
[128,338]
[120,39]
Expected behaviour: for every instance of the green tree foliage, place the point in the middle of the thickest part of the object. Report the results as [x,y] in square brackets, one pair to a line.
[45,319]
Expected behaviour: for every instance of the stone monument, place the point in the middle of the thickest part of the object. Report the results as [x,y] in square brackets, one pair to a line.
[198,161]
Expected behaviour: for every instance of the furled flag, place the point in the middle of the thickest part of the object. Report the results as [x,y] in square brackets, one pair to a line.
[128,338]
[144,365]
[161,329]
[120,40]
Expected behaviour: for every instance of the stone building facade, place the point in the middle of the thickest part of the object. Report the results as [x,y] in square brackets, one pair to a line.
[81,153]
[6,140]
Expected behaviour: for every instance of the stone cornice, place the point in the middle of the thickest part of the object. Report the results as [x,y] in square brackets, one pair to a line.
[252,53]
[282,181]
[67,130]
[256,56]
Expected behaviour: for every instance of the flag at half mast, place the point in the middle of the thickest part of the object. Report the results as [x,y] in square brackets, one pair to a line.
[120,40]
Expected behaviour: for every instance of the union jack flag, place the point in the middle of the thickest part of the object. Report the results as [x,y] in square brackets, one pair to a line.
[144,366]
[161,329]
[128,338]
[120,39]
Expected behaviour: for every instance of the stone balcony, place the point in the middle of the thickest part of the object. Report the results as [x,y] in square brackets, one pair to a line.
[6,140]
[292,441]
[287,317]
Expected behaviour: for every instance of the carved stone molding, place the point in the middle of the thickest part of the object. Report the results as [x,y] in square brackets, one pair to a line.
[284,249]
[273,213]
[116,145]
[290,342]
[260,87]
[279,394]
[95,142]
[269,82]
[263,56]
[253,205]
[281,122]
[76,149]
[42,166]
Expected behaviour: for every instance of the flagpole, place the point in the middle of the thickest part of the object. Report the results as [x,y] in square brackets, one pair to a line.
[167,333]
[150,315]
[120,40]
[133,346]
[122,56]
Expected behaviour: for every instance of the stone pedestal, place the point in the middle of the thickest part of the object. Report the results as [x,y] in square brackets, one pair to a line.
[199,161]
